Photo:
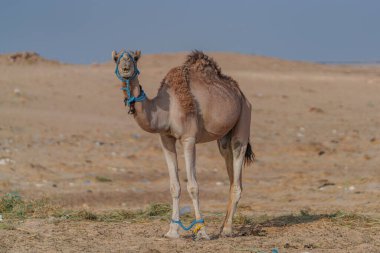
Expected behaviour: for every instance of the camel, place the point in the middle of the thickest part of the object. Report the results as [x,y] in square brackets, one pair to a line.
[196,103]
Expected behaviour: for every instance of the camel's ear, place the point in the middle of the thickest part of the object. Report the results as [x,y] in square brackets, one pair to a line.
[137,55]
[114,56]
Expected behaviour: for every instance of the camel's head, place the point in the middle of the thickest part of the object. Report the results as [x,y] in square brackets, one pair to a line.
[126,62]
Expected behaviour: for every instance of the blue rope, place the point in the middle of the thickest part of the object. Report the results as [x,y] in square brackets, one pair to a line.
[131,99]
[190,226]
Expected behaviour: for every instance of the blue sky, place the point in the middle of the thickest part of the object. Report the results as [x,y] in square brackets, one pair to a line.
[87,31]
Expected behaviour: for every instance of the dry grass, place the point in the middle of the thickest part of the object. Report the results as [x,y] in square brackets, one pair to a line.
[153,211]
[13,207]
[339,217]
[355,220]
[103,179]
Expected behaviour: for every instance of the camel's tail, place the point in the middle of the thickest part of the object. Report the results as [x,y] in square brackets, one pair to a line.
[249,156]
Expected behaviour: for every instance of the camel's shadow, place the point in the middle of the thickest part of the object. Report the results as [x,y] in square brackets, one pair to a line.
[258,228]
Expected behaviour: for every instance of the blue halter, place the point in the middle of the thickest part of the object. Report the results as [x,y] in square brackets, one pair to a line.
[131,99]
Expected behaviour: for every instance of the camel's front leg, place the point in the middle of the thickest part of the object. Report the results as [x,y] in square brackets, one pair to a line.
[168,146]
[192,185]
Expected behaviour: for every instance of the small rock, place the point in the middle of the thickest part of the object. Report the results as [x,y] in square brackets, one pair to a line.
[367,157]
[185,210]
[1,217]
[325,183]
[309,246]
[300,135]
[351,188]
[219,183]
[145,181]
[87,182]
[288,246]
[99,143]
[114,169]
[321,152]
[55,186]
[136,136]
[373,139]
[17,91]
[316,109]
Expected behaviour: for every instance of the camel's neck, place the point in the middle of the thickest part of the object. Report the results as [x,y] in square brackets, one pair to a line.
[150,117]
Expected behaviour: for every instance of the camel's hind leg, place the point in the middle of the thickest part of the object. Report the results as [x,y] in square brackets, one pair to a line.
[234,154]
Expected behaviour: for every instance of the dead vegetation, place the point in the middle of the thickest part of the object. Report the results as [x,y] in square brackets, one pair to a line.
[13,207]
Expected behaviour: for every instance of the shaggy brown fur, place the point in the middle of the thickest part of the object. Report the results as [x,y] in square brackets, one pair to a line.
[178,79]
[197,65]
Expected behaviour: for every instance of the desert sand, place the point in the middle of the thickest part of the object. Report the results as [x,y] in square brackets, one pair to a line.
[65,135]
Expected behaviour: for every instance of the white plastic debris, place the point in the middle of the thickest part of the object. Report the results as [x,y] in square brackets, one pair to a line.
[17,91]
[5,161]
[1,217]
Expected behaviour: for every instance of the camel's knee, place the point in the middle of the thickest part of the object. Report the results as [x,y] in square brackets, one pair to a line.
[193,190]
[236,191]
[175,190]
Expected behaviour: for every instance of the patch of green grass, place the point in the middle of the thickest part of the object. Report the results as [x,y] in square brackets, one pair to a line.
[103,179]
[9,202]
[12,206]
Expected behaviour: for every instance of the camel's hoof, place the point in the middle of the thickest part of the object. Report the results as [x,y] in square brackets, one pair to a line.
[226,232]
[172,235]
[225,235]
[201,235]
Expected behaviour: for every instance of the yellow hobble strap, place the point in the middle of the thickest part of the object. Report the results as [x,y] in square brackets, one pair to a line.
[198,227]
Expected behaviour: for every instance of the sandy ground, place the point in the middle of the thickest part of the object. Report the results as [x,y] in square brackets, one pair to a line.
[315,130]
